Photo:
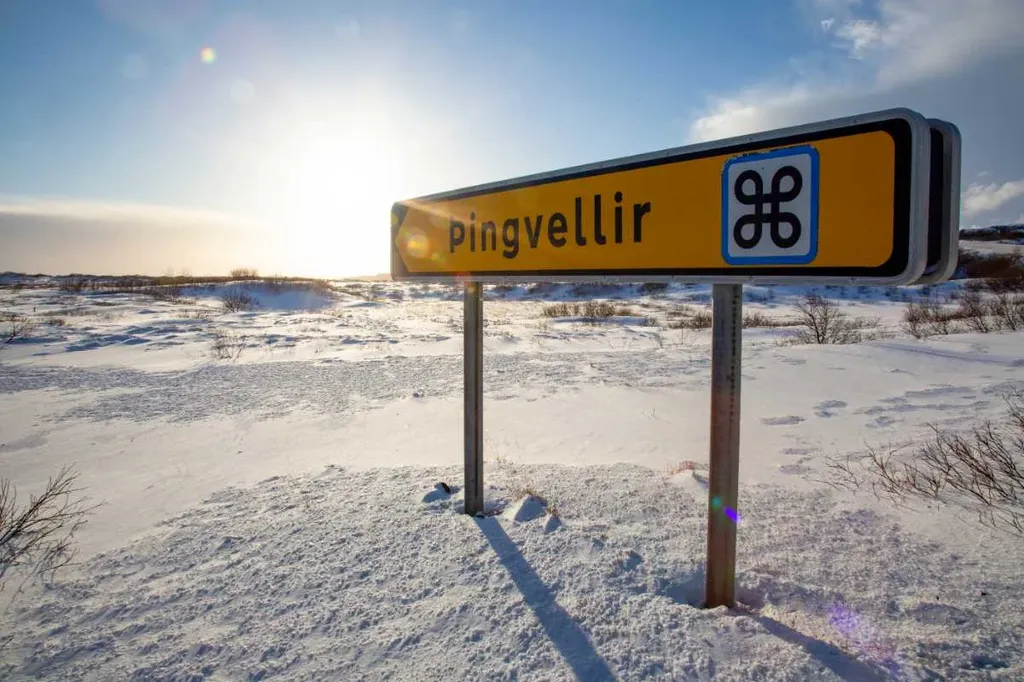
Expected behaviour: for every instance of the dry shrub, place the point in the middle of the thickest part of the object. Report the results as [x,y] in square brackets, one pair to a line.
[39,537]
[236,300]
[927,318]
[981,469]
[1008,311]
[997,272]
[226,346]
[74,285]
[684,466]
[973,312]
[823,322]
[13,326]
[590,310]
[702,319]
[756,318]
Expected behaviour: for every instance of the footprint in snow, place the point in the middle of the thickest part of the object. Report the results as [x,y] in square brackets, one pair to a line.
[881,422]
[827,408]
[788,420]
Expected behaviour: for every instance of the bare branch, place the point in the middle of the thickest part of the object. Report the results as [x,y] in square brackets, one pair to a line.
[39,538]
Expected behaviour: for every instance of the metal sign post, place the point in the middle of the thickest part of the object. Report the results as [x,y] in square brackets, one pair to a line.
[473,348]
[723,478]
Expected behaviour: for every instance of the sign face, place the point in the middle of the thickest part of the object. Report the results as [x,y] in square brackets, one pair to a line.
[943,203]
[843,201]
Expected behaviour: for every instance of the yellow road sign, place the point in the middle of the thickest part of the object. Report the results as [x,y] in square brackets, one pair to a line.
[839,201]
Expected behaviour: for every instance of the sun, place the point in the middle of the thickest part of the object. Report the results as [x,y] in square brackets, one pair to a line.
[338,189]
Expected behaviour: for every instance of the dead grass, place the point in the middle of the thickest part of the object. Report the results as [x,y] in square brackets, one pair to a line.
[823,322]
[996,272]
[237,300]
[981,469]
[226,345]
[38,537]
[589,310]
[685,465]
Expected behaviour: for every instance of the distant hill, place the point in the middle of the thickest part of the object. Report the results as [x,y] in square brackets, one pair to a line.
[1006,234]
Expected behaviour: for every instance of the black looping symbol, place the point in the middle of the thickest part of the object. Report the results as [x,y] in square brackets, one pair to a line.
[774,217]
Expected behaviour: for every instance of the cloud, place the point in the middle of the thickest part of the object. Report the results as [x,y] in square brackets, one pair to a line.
[978,198]
[915,39]
[69,235]
[907,43]
[118,212]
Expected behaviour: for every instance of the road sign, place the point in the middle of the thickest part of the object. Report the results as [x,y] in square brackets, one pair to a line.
[943,203]
[842,201]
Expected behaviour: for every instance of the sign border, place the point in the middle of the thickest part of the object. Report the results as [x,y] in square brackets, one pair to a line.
[911,134]
[947,204]
[726,228]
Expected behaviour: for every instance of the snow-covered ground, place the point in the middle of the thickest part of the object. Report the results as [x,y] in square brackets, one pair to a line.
[271,508]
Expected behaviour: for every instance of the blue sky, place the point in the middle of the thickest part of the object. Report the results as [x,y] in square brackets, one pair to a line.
[314,116]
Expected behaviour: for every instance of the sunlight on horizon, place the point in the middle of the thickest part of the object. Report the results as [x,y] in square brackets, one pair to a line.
[326,188]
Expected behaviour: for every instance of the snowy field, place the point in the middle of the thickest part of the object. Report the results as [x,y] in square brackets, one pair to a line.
[270,507]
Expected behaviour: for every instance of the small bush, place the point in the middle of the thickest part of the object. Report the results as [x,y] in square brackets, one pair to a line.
[973,312]
[591,310]
[244,273]
[927,318]
[648,288]
[824,323]
[996,271]
[39,537]
[74,285]
[982,469]
[226,346]
[1008,311]
[558,310]
[236,300]
[685,317]
[702,319]
[756,318]
[13,327]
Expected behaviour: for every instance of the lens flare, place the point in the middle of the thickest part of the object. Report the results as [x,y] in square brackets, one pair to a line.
[208,55]
[868,641]
[416,244]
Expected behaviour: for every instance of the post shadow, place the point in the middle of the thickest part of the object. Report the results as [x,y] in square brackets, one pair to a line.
[838,661]
[569,638]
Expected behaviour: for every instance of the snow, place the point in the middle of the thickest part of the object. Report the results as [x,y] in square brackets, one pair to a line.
[283,514]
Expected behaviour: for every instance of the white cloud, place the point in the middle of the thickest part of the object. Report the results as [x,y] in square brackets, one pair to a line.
[861,34]
[748,112]
[898,46]
[117,212]
[978,198]
[915,39]
[69,235]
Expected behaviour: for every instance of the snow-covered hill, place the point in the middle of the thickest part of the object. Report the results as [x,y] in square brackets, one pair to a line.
[271,507]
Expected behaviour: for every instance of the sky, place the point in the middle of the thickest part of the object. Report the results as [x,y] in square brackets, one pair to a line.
[149,136]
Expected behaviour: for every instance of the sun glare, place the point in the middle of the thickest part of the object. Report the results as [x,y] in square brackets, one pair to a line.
[338,190]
